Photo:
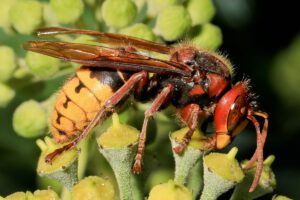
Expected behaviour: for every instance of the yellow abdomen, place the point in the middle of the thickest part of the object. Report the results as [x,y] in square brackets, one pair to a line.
[80,99]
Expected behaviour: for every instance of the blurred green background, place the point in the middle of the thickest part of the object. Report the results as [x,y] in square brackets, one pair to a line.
[261,38]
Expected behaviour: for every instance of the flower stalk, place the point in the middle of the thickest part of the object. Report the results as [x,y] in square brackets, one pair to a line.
[63,168]
[118,145]
[187,160]
[221,173]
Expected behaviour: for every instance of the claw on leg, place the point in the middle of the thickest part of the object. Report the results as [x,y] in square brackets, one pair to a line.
[189,115]
[137,167]
[180,148]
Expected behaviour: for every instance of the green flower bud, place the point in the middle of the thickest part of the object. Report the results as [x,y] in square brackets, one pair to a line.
[63,168]
[93,187]
[16,196]
[140,31]
[118,145]
[155,6]
[42,195]
[26,16]
[221,173]
[41,65]
[5,6]
[157,177]
[285,68]
[7,63]
[6,95]
[170,191]
[196,140]
[49,16]
[280,197]
[118,13]
[118,135]
[67,11]
[173,22]
[30,119]
[22,73]
[267,182]
[208,36]
[201,11]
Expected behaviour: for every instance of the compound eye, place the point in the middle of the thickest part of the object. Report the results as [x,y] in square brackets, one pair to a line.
[237,113]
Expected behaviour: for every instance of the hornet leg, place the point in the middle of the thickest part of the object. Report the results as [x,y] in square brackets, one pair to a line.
[189,115]
[158,101]
[263,135]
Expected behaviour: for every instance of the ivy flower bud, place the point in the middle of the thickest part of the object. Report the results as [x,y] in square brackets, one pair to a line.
[280,197]
[155,6]
[170,191]
[173,22]
[30,119]
[209,37]
[201,11]
[93,187]
[118,13]
[118,135]
[26,16]
[157,177]
[5,6]
[41,65]
[7,63]
[42,195]
[49,17]
[16,196]
[6,95]
[139,30]
[67,11]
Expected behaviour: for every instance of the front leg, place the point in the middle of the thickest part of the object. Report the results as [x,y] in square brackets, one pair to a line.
[188,115]
[158,101]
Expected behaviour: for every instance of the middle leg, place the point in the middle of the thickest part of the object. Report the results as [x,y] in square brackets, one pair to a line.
[159,100]
[189,115]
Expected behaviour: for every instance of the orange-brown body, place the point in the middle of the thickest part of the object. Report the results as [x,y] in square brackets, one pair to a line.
[80,99]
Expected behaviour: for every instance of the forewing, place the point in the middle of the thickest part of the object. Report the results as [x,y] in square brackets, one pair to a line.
[110,38]
[97,56]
